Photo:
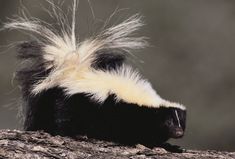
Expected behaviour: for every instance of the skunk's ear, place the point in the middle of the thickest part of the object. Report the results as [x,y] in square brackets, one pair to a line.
[105,60]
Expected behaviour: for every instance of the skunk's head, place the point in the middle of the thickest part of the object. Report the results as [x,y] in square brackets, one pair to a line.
[173,121]
[161,124]
[96,68]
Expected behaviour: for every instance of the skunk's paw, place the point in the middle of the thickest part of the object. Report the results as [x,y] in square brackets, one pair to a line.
[172,148]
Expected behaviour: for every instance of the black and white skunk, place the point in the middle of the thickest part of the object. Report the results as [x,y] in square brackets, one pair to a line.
[72,87]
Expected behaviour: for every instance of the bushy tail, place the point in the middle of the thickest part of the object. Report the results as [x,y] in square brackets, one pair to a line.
[60,50]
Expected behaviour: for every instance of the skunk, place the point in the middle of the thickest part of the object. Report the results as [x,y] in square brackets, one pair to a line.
[72,87]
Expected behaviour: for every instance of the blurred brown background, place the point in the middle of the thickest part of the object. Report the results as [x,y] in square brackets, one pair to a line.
[191,59]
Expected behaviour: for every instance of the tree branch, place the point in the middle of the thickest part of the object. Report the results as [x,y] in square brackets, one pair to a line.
[30,145]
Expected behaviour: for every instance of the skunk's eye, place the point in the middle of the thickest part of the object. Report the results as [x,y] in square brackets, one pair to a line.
[169,122]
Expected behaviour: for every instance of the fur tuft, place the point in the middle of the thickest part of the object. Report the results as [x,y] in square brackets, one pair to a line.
[78,66]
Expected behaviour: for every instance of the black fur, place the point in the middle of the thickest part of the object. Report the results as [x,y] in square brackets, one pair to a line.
[33,66]
[108,61]
[32,70]
[30,50]
[55,113]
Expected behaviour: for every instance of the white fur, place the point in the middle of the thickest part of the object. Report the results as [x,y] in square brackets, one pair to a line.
[71,62]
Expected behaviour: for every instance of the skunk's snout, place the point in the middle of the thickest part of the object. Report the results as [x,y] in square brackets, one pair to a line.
[177,133]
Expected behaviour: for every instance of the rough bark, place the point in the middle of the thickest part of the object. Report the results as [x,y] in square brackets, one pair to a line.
[30,145]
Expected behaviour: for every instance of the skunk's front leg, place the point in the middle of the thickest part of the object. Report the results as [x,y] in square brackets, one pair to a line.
[62,116]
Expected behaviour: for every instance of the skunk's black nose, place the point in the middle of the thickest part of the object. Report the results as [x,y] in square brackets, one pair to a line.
[177,133]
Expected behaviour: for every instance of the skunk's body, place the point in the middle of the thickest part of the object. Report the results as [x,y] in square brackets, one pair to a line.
[86,88]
